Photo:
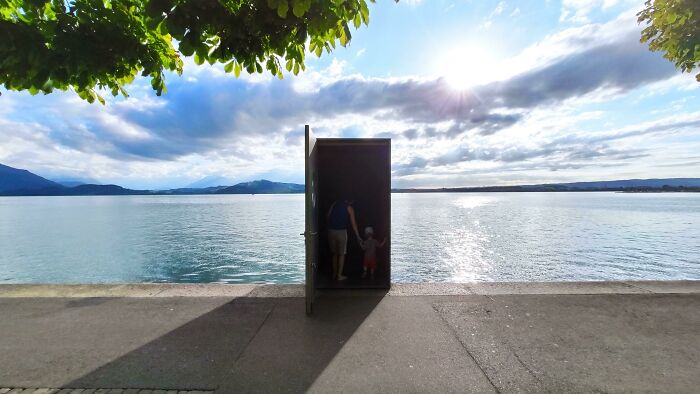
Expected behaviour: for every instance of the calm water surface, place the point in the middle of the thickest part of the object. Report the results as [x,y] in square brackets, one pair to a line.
[435,237]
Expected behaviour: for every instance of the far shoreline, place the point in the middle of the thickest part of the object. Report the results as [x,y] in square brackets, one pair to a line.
[411,191]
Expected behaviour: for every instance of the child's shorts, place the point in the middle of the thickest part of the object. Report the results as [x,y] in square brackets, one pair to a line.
[370,263]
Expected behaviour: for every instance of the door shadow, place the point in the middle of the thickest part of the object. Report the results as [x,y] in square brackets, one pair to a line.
[248,344]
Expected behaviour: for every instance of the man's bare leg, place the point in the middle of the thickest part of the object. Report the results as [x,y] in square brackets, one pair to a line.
[341,263]
[335,266]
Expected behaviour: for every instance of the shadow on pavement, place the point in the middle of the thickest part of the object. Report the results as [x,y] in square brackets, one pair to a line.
[260,344]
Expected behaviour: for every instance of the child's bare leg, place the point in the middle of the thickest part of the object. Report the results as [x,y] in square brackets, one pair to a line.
[364,272]
[371,273]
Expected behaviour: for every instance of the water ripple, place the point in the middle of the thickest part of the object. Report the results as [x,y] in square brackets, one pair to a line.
[435,238]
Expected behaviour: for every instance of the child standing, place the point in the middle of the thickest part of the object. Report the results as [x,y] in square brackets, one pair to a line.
[370,246]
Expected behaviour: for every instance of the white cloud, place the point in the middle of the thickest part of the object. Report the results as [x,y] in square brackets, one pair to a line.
[531,125]
[411,3]
[579,11]
[488,21]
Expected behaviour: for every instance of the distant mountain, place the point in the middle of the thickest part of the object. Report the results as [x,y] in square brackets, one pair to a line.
[34,185]
[191,190]
[81,190]
[209,181]
[669,184]
[16,182]
[262,186]
[636,183]
[17,179]
[73,182]
[102,190]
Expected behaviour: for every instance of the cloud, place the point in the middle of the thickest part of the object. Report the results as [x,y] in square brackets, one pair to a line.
[197,117]
[209,116]
[500,7]
[578,11]
[568,151]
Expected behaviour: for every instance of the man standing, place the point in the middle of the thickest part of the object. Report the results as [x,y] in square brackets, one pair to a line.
[337,218]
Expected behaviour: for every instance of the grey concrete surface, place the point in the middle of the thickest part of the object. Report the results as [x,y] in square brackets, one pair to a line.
[297,290]
[588,341]
[495,288]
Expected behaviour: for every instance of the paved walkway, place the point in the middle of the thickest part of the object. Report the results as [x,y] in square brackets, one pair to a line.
[535,337]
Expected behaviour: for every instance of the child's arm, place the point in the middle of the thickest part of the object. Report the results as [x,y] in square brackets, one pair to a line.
[383,242]
[362,243]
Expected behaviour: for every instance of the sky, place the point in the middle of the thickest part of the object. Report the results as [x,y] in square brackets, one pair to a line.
[472,93]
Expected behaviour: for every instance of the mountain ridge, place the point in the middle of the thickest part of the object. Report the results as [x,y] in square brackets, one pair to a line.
[15,178]
[19,182]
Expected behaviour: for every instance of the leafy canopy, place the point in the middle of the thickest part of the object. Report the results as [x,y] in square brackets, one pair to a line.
[91,45]
[673,26]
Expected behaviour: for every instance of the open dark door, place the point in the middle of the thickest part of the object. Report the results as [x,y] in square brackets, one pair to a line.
[357,169]
[311,218]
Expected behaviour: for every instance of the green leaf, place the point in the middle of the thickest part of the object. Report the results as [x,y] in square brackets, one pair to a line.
[271,65]
[282,8]
[364,11]
[185,48]
[300,7]
[149,37]
[228,67]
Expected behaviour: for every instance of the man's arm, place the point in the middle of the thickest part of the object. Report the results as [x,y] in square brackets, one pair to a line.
[328,215]
[351,212]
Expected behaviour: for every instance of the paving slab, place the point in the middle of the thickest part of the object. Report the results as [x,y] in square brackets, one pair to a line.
[419,289]
[79,290]
[121,342]
[277,291]
[206,290]
[403,347]
[581,343]
[297,290]
[356,344]
[569,337]
[495,288]
[668,287]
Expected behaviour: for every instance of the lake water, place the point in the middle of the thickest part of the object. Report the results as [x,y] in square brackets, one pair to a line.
[450,237]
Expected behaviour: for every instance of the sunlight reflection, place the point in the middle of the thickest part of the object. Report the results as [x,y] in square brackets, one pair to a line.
[466,254]
[470,202]
[467,246]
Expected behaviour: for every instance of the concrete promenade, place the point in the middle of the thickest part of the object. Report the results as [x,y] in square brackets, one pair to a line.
[474,337]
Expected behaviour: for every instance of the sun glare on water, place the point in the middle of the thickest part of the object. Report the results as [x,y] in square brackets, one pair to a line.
[465,67]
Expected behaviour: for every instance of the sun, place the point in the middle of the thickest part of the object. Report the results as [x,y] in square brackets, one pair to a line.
[467,66]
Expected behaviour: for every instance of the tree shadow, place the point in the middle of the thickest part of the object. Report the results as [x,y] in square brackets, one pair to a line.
[248,344]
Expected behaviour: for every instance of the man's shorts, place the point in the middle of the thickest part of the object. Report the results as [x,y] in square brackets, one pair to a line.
[338,241]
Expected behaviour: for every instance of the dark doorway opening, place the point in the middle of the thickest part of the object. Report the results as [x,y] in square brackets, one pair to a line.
[357,170]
